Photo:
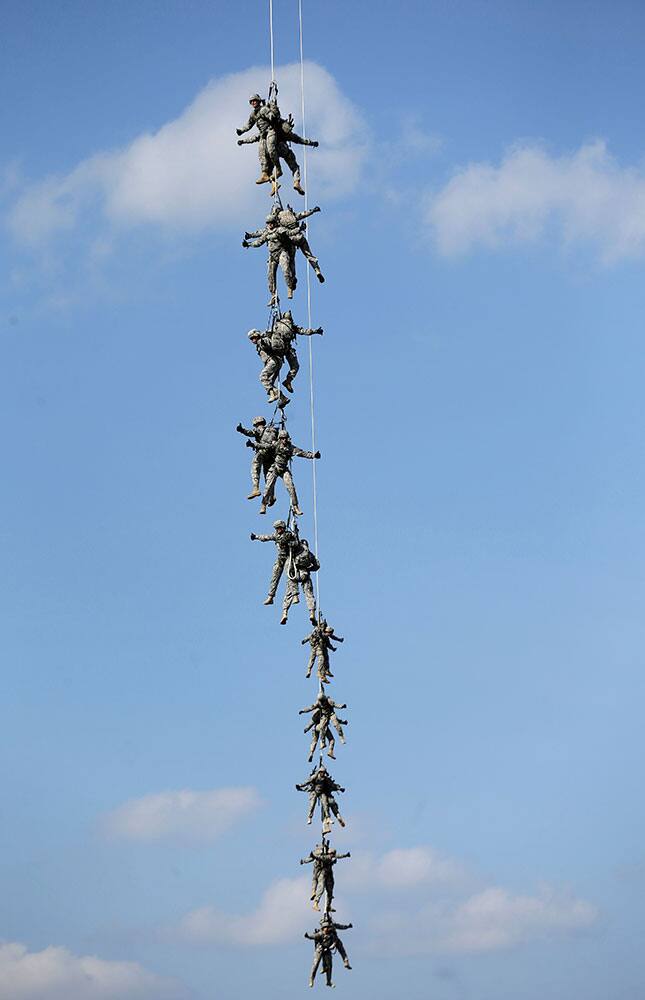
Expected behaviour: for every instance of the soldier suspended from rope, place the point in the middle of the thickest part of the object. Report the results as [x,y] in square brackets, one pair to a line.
[320,640]
[274,134]
[284,541]
[265,435]
[302,563]
[275,347]
[321,787]
[323,717]
[326,941]
[285,450]
[323,858]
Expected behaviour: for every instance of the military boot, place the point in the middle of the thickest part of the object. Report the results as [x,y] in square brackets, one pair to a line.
[268,600]
[255,492]
[275,187]
[298,513]
[288,383]
[297,185]
[263,509]
[273,395]
[263,179]
[320,276]
[289,293]
[282,400]
[283,620]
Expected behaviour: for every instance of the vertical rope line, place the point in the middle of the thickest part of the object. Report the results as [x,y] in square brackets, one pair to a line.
[271,42]
[311,351]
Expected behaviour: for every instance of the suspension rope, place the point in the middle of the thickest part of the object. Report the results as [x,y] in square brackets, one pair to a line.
[271,40]
[311,352]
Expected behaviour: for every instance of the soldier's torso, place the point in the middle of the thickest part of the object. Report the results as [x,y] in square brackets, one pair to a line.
[283,455]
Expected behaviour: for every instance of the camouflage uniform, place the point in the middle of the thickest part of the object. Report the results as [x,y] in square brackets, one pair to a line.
[322,881]
[321,787]
[301,565]
[323,717]
[289,221]
[326,941]
[284,540]
[265,435]
[281,254]
[274,135]
[320,646]
[284,452]
[283,343]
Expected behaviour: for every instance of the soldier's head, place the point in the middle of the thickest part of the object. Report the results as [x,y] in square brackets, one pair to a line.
[272,222]
[255,101]
[259,421]
[279,526]
[287,315]
[283,435]
[254,334]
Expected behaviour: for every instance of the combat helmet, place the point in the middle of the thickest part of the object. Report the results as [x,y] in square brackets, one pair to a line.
[259,420]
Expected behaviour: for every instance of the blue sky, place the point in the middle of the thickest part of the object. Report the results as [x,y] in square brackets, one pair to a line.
[479,412]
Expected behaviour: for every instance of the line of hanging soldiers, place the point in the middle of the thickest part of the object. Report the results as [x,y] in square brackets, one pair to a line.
[273,452]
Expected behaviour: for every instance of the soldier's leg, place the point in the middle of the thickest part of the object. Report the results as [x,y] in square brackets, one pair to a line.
[269,489]
[288,265]
[272,270]
[314,968]
[294,367]
[339,729]
[291,490]
[289,157]
[275,170]
[333,805]
[278,566]
[332,743]
[318,891]
[256,463]
[314,743]
[310,665]
[308,589]
[327,966]
[312,807]
[269,374]
[265,165]
[329,890]
[343,954]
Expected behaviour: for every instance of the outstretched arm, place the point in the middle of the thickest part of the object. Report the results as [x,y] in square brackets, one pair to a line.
[305,215]
[249,125]
[251,138]
[302,332]
[244,430]
[262,538]
[305,454]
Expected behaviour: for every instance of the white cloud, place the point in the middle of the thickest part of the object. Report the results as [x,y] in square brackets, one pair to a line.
[403,868]
[490,920]
[190,174]
[585,197]
[282,915]
[56,974]
[181,815]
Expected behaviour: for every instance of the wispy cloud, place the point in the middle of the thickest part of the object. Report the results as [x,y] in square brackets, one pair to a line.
[584,198]
[57,974]
[280,916]
[190,175]
[491,920]
[181,815]
[403,868]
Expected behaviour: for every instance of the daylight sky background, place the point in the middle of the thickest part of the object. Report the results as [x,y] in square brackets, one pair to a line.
[480,415]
